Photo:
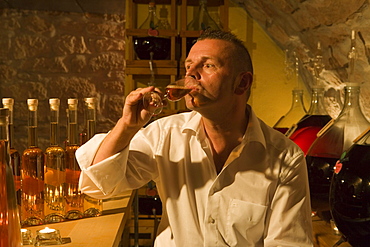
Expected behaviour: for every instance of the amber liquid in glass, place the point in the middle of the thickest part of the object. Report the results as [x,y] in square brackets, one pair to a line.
[175,93]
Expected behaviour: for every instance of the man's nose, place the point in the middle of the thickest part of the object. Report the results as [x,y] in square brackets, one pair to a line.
[193,72]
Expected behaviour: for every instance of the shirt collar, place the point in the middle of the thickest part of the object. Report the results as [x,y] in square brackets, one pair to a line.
[253,132]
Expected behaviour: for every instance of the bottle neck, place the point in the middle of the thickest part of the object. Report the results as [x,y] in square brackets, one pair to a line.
[32,129]
[54,127]
[317,103]
[72,128]
[4,131]
[90,122]
[351,99]
[151,20]
[297,101]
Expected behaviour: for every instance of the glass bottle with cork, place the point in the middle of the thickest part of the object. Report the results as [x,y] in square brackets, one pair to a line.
[32,173]
[154,46]
[10,229]
[92,206]
[74,197]
[15,158]
[55,175]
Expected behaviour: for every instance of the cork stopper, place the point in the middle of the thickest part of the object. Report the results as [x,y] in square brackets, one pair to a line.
[32,104]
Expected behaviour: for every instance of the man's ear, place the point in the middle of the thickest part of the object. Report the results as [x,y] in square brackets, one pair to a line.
[245,83]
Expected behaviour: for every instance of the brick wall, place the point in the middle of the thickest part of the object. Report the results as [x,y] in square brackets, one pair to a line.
[59,54]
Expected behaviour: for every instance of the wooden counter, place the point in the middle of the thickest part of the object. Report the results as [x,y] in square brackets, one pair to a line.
[104,231]
[324,235]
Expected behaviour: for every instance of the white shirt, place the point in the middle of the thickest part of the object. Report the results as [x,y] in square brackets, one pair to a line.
[260,198]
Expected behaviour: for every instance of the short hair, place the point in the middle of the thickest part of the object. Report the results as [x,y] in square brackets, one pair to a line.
[242,53]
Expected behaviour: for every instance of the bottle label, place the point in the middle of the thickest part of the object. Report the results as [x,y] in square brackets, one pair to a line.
[338,167]
[153,32]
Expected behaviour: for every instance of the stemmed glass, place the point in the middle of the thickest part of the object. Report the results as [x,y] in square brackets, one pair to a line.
[153,101]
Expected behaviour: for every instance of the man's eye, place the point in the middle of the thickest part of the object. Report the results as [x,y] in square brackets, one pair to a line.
[209,65]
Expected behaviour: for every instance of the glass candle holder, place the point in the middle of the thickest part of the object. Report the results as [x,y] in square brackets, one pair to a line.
[26,237]
[334,227]
[48,236]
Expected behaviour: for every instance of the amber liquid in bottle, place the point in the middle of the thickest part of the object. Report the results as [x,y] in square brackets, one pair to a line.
[32,174]
[15,158]
[55,175]
[74,197]
[10,234]
[92,206]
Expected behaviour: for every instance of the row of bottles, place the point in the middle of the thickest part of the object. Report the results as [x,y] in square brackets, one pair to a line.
[156,46]
[47,182]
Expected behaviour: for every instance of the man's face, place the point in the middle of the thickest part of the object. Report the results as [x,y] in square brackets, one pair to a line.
[210,61]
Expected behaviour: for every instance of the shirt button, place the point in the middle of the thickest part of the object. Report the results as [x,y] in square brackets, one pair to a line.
[211,220]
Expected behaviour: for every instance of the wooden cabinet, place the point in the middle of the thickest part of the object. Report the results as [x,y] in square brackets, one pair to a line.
[140,72]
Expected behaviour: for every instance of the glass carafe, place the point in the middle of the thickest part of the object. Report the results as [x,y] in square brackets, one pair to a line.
[10,229]
[74,197]
[295,113]
[304,132]
[154,46]
[334,138]
[350,192]
[32,173]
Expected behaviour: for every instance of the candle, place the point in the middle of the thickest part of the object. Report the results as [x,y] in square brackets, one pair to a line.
[48,236]
[47,230]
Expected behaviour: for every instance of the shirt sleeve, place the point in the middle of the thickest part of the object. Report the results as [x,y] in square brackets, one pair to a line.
[126,170]
[289,221]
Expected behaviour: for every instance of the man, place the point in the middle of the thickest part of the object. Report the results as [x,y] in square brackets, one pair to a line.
[224,177]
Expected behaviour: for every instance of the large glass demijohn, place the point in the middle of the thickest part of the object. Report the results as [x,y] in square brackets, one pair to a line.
[350,192]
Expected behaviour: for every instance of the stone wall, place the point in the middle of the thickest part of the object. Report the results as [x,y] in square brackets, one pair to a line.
[64,55]
[298,25]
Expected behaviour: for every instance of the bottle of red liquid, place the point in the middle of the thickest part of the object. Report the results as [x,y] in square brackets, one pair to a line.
[336,137]
[304,132]
[350,192]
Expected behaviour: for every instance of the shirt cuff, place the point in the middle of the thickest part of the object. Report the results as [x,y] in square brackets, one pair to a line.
[101,179]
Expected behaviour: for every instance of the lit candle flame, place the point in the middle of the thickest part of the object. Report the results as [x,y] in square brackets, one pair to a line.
[47,230]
